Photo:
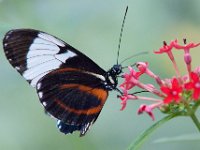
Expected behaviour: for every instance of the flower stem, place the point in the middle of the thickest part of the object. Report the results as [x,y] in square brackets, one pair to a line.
[195,120]
[146,134]
[176,68]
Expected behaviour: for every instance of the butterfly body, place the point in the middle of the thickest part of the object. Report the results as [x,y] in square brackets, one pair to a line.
[71,87]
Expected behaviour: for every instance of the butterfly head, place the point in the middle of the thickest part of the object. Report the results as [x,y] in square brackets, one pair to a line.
[116,69]
[111,77]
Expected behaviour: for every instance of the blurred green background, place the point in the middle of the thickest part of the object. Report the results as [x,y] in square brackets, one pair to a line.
[93,26]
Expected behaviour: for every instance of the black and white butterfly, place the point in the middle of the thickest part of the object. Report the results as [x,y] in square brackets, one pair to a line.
[71,87]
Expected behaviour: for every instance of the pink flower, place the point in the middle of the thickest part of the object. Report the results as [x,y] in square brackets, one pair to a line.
[173,93]
[168,50]
[186,46]
[124,102]
[147,109]
[194,85]
[125,98]
[143,68]
[165,49]
[127,84]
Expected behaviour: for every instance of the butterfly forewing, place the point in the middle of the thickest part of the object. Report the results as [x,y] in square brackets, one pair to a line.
[34,54]
[69,84]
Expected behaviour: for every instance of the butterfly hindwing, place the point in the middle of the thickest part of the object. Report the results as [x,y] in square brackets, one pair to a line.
[70,97]
[69,84]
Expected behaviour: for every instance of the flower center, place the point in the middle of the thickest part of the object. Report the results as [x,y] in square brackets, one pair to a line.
[197,85]
[174,93]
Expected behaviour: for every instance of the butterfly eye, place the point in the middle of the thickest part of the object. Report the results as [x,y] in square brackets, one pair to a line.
[116,69]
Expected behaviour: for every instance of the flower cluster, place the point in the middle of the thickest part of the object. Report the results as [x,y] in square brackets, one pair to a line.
[179,94]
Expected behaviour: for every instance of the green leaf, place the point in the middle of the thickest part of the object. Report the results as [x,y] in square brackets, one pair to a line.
[146,134]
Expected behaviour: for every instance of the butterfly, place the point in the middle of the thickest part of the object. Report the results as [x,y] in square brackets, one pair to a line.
[71,87]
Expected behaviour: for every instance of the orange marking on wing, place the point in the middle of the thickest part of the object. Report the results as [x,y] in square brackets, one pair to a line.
[99,93]
[65,69]
[76,111]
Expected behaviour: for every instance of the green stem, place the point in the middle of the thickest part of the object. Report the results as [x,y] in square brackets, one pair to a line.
[195,120]
[146,134]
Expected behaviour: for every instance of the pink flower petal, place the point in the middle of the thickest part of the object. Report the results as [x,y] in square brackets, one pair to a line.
[123,105]
[166,48]
[141,108]
[196,94]
[194,77]
[187,46]
[189,86]
[165,90]
[147,109]
[124,101]
[167,100]
[175,83]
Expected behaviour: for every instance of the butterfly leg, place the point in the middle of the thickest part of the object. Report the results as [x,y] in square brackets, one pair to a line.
[118,90]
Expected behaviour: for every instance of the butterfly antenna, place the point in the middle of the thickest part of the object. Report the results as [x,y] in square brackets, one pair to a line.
[124,67]
[120,36]
[138,54]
